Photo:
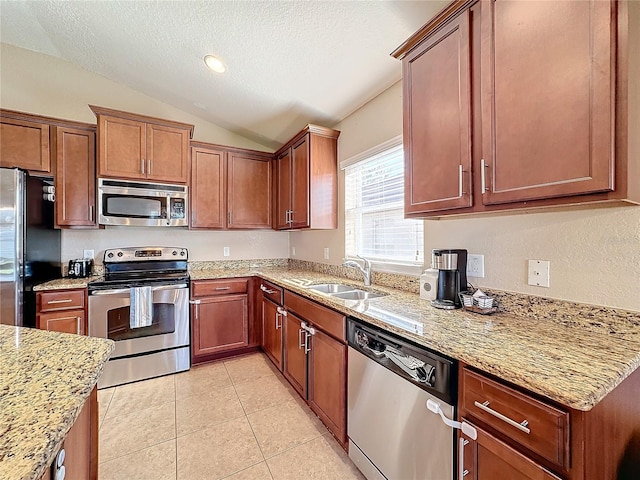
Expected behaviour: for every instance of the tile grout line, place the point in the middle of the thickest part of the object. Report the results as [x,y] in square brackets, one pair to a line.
[175,424]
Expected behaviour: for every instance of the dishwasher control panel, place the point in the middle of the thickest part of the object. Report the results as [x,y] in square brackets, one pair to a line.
[432,372]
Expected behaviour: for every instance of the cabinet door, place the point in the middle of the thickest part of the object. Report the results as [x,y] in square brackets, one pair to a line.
[328,383]
[79,445]
[283,200]
[121,148]
[75,177]
[272,332]
[70,321]
[295,355]
[249,192]
[167,154]
[437,121]
[24,144]
[219,324]
[208,188]
[300,183]
[548,80]
[488,458]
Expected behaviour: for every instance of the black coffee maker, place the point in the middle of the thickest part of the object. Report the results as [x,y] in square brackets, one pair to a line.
[452,277]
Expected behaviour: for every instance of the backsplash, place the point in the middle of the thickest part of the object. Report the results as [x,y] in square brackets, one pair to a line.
[238,264]
[393,280]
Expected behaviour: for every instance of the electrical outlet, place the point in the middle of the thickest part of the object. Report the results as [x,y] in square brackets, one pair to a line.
[326,253]
[538,273]
[293,251]
[475,266]
[225,251]
[88,254]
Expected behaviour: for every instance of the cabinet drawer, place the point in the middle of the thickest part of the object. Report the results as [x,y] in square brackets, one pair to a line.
[60,300]
[207,288]
[68,321]
[331,322]
[541,428]
[270,291]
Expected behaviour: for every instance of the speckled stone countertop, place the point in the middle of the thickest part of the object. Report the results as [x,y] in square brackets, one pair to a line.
[574,354]
[45,380]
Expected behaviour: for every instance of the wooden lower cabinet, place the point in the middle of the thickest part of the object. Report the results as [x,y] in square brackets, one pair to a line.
[80,445]
[68,321]
[219,318]
[272,332]
[62,311]
[219,324]
[327,390]
[488,458]
[295,354]
[315,362]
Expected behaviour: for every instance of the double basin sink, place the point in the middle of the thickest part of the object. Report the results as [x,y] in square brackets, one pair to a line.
[345,292]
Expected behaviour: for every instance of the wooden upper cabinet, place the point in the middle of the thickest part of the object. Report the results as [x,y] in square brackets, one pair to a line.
[75,179]
[307,180]
[24,143]
[249,191]
[167,153]
[511,105]
[437,121]
[548,90]
[208,188]
[138,147]
[283,189]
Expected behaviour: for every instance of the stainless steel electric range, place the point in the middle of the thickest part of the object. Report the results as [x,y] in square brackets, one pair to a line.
[143,305]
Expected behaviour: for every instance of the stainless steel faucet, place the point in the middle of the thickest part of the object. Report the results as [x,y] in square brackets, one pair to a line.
[365,269]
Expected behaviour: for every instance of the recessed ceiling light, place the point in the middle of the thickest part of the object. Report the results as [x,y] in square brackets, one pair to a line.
[214,63]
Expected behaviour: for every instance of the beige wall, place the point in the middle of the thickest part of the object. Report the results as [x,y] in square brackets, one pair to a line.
[36,83]
[202,245]
[594,253]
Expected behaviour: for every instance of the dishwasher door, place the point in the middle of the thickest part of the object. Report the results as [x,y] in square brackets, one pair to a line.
[390,425]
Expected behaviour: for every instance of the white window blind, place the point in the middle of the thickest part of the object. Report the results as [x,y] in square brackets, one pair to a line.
[375,227]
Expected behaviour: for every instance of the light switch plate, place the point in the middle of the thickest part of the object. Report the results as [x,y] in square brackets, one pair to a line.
[326,253]
[225,251]
[293,251]
[88,254]
[538,274]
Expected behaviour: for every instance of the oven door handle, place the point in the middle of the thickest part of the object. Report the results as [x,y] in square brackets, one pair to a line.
[110,292]
[169,287]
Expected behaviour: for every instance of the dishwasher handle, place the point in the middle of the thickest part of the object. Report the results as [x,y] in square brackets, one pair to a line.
[467,429]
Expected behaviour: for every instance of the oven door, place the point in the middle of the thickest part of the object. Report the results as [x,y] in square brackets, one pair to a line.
[109,317]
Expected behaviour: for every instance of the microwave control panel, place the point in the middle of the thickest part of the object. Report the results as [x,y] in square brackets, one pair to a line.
[177,209]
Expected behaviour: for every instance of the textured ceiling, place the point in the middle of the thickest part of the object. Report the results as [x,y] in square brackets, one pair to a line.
[288,62]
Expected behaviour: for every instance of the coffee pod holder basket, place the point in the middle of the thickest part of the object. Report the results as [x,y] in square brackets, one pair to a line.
[481,304]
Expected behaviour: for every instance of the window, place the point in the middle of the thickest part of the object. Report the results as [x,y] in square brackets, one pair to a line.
[375,226]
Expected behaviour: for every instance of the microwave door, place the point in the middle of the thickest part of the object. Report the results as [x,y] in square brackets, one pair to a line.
[134,210]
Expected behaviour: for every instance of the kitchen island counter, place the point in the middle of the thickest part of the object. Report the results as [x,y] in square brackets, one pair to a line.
[45,381]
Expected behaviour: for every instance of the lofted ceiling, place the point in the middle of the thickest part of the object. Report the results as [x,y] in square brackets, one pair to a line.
[288,62]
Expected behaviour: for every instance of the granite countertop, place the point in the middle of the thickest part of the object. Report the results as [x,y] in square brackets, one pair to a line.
[575,354]
[45,381]
[575,360]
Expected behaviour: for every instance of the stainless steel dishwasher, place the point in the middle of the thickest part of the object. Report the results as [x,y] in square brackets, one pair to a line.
[399,398]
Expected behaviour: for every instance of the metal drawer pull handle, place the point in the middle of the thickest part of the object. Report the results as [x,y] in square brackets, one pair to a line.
[266,290]
[223,288]
[301,344]
[78,329]
[66,300]
[520,426]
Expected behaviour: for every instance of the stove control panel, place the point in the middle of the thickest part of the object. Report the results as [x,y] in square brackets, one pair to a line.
[138,254]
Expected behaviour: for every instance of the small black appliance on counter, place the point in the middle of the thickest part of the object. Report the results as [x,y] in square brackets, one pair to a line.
[452,277]
[80,268]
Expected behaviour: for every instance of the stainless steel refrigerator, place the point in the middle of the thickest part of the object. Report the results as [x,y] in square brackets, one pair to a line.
[29,244]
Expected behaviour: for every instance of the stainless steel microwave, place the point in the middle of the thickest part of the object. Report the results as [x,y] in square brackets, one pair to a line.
[142,204]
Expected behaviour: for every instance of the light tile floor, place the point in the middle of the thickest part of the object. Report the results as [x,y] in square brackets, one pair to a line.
[236,419]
